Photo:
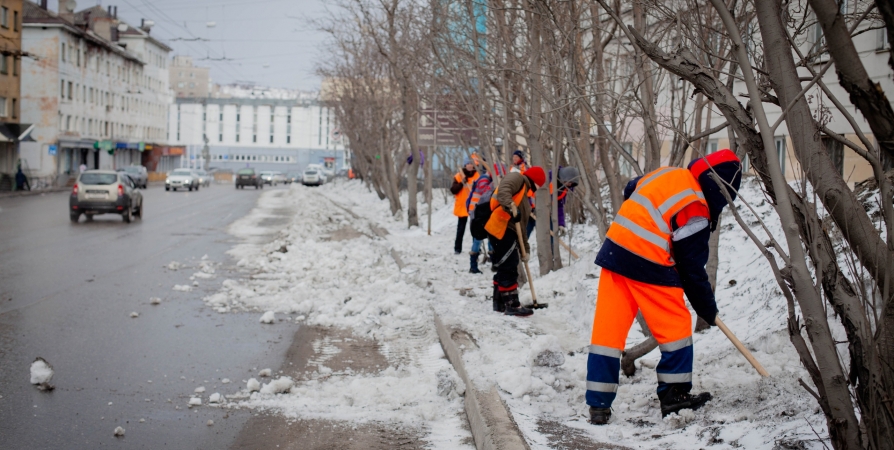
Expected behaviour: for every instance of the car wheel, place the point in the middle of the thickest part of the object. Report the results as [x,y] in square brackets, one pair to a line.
[197,186]
[128,214]
[190,188]
[139,212]
[74,216]
[167,188]
[89,217]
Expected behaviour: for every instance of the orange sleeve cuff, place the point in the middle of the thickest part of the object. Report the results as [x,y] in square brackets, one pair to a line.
[691,210]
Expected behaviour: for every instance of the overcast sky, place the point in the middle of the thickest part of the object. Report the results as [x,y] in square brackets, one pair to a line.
[253,33]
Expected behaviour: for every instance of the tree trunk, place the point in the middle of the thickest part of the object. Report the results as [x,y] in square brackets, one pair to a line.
[647,95]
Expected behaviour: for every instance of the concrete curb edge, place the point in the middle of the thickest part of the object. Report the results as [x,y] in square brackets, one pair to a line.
[493,428]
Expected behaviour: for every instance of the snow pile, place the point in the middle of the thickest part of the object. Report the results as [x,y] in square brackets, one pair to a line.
[268,317]
[182,287]
[41,372]
[522,357]
[278,386]
[253,385]
[154,301]
[547,351]
[538,363]
[119,432]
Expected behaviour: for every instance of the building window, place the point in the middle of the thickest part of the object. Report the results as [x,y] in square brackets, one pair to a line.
[15,21]
[4,64]
[4,17]
[14,114]
[271,138]
[3,104]
[63,52]
[69,90]
[15,67]
[780,153]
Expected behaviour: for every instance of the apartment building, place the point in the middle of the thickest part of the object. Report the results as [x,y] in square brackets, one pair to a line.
[285,133]
[10,84]
[97,92]
[188,80]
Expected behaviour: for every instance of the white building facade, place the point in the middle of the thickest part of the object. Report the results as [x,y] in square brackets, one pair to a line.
[266,133]
[97,92]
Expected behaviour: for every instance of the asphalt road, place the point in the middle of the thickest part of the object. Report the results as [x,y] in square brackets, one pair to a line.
[66,294]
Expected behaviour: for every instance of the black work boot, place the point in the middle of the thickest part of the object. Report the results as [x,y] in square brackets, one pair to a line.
[600,416]
[499,306]
[513,306]
[674,399]
[473,262]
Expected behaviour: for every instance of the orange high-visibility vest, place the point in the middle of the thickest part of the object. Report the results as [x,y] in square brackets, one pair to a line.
[459,205]
[643,224]
[499,219]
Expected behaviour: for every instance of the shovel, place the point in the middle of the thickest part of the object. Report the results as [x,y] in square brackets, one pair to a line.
[738,344]
[521,248]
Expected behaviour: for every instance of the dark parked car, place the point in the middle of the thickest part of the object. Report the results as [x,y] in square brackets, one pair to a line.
[139,175]
[248,177]
[105,192]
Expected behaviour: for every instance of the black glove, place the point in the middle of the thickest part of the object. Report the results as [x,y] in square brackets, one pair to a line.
[514,216]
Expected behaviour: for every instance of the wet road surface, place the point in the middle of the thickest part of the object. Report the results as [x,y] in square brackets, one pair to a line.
[66,294]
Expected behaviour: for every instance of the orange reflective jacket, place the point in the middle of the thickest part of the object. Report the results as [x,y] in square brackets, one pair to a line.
[643,224]
[459,205]
[499,219]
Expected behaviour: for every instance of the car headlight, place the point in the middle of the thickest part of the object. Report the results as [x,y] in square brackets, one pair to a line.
[167,181]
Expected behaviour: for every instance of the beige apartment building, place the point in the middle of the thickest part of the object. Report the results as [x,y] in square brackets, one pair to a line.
[187,80]
[10,87]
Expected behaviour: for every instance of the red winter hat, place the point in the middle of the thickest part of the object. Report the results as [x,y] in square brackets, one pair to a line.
[536,174]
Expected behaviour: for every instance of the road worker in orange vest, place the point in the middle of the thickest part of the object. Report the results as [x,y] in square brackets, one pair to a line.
[509,207]
[461,190]
[518,162]
[655,251]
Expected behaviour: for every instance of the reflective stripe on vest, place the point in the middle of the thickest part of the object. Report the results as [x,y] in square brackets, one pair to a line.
[643,224]
[499,219]
[459,205]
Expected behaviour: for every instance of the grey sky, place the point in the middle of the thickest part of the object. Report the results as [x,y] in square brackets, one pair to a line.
[252,33]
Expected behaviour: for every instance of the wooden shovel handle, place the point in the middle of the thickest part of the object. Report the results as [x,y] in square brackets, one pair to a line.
[744,351]
[521,248]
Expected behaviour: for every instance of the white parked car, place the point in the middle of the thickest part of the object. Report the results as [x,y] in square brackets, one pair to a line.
[313,177]
[270,177]
[324,174]
[205,178]
[182,178]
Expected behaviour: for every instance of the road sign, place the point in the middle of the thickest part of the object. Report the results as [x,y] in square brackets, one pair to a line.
[445,127]
[52,150]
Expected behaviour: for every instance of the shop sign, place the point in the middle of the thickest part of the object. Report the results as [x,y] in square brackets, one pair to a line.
[52,150]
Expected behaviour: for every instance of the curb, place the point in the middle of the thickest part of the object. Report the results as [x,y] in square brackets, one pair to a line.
[10,194]
[493,428]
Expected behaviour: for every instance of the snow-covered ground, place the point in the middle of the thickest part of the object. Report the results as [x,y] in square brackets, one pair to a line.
[331,266]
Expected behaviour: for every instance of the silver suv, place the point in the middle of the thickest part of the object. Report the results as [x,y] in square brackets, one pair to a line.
[105,192]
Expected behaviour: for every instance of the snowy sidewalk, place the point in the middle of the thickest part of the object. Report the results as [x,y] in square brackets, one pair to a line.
[337,271]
